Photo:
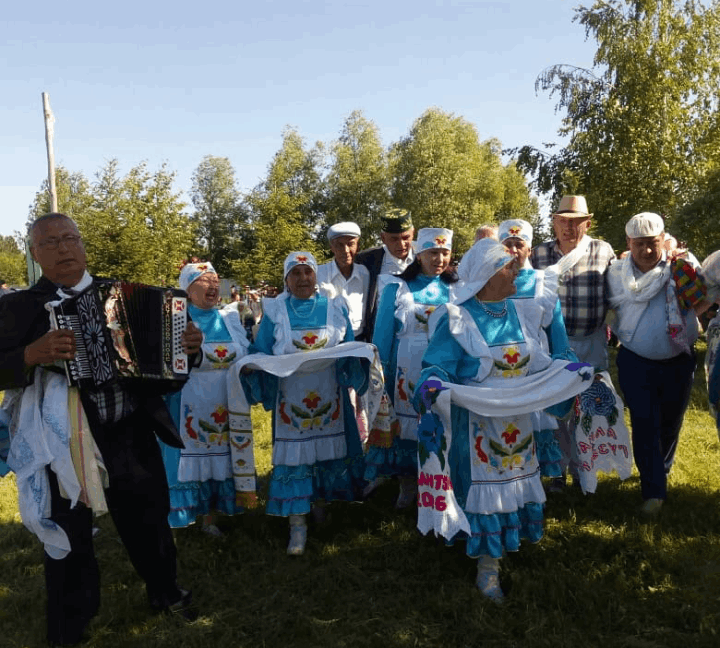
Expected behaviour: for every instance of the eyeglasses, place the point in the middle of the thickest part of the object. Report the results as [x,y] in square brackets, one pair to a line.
[53,243]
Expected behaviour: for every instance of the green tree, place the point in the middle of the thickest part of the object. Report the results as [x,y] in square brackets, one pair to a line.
[642,124]
[357,184]
[12,262]
[219,212]
[285,212]
[74,195]
[447,177]
[133,227]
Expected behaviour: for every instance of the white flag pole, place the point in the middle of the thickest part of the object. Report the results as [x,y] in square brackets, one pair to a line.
[49,133]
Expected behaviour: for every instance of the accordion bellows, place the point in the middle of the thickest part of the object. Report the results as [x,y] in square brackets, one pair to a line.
[125,331]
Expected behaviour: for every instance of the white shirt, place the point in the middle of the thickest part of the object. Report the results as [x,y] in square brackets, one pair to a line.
[354,290]
[394,266]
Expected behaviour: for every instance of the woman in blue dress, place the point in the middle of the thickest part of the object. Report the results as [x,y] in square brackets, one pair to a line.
[533,285]
[316,454]
[200,476]
[401,336]
[482,455]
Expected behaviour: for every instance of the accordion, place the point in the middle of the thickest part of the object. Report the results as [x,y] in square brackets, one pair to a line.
[125,331]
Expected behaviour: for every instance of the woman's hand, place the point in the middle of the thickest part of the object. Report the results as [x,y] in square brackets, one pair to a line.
[191,339]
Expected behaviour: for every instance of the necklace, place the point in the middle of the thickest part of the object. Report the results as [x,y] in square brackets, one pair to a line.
[497,314]
[292,308]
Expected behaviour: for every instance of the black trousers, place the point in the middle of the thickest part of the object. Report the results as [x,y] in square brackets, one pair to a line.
[657,393]
[139,504]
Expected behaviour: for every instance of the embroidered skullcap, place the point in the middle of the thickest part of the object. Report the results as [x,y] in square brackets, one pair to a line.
[432,238]
[515,228]
[478,265]
[644,224]
[710,272]
[572,207]
[192,271]
[343,229]
[299,258]
[396,221]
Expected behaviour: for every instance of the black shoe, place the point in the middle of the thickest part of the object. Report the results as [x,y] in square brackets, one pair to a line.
[182,608]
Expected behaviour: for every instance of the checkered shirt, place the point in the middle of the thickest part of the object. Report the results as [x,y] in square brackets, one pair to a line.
[583,289]
[113,402]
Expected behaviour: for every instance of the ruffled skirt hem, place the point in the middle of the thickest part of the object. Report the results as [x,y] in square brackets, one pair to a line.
[491,535]
[489,498]
[293,489]
[200,498]
[399,459]
[549,454]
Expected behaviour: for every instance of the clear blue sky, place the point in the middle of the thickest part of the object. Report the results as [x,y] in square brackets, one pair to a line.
[161,81]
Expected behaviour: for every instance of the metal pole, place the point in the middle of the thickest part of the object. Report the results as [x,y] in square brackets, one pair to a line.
[49,132]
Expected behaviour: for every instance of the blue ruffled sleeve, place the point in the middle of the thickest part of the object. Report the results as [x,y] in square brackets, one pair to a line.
[558,338]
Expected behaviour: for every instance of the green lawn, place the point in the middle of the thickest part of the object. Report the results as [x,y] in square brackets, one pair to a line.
[602,576]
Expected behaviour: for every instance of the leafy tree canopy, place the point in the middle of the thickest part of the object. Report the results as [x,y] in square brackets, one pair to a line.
[641,125]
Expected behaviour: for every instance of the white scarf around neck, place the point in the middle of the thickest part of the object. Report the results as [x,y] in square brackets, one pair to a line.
[569,261]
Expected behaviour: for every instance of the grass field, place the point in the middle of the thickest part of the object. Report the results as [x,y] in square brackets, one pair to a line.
[602,576]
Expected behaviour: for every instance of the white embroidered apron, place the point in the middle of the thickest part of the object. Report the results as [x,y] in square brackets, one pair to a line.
[411,346]
[309,425]
[204,416]
[504,467]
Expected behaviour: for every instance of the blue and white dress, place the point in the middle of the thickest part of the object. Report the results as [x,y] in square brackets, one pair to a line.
[200,475]
[316,448]
[491,461]
[542,289]
[401,337]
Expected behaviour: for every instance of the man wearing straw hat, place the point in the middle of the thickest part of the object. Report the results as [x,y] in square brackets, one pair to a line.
[581,264]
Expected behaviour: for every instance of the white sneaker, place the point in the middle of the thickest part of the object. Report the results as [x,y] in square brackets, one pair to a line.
[408,493]
[488,582]
[651,506]
[212,530]
[298,536]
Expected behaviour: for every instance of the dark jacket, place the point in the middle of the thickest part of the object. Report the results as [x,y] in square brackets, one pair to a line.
[24,319]
[372,259]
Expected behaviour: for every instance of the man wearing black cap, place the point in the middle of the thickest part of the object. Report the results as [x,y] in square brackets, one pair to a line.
[395,254]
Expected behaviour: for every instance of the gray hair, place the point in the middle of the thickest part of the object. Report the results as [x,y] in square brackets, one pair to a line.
[44,219]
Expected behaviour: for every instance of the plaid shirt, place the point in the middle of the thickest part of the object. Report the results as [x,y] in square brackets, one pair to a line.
[583,289]
[113,403]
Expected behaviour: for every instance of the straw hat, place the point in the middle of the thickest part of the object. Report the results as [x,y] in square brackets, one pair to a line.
[572,207]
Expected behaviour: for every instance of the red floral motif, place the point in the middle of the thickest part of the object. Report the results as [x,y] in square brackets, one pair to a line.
[478,449]
[221,351]
[188,428]
[511,355]
[220,415]
[309,339]
[514,230]
[401,392]
[510,434]
[311,400]
[285,418]
[301,259]
[440,240]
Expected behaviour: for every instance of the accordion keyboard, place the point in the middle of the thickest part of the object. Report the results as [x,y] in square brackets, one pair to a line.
[79,366]
[179,321]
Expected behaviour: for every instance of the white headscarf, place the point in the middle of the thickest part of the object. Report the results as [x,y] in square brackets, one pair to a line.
[478,265]
[432,238]
[299,258]
[193,271]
